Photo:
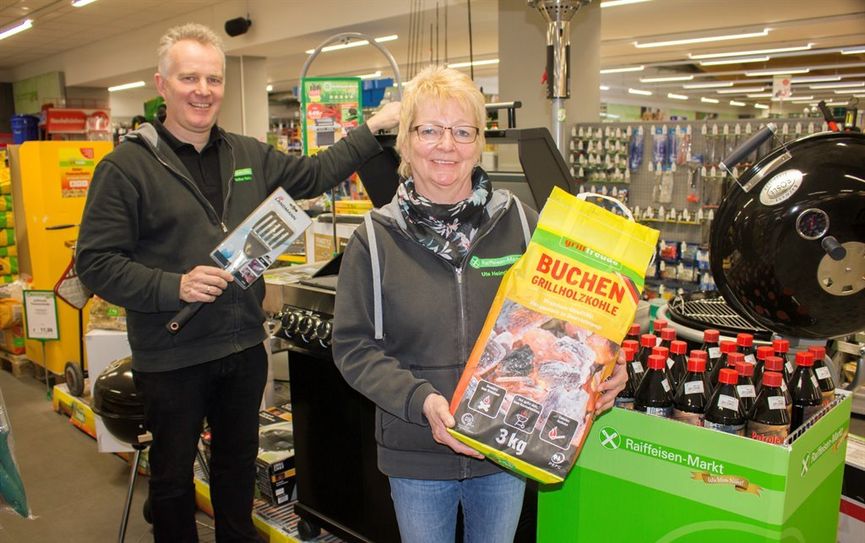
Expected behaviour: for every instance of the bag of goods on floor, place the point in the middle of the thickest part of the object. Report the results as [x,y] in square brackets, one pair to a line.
[12,495]
[527,395]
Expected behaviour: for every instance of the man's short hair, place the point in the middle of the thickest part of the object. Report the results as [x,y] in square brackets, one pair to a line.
[189,31]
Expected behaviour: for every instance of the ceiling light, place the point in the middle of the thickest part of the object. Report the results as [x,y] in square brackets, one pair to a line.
[853,50]
[708,85]
[754,52]
[802,99]
[741,90]
[838,85]
[12,30]
[614,3]
[640,92]
[81,3]
[708,100]
[776,71]
[474,63]
[761,106]
[126,86]
[815,78]
[764,32]
[848,91]
[269,88]
[745,60]
[737,104]
[604,87]
[676,96]
[372,75]
[760,95]
[665,79]
[620,70]
[350,44]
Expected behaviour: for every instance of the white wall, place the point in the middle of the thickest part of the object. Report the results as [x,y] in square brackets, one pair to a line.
[129,103]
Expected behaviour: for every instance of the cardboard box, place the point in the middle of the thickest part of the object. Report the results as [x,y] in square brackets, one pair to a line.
[275,461]
[643,478]
[103,348]
[319,239]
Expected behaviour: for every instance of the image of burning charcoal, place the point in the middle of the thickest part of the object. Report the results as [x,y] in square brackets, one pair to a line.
[517,363]
[575,351]
[571,403]
[560,374]
[515,318]
[493,354]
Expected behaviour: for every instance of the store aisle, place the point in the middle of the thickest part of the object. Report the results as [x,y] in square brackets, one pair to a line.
[75,492]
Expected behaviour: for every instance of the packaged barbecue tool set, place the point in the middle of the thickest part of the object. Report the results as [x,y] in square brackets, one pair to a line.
[527,395]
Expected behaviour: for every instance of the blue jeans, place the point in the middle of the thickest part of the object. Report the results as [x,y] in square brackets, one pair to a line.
[427,510]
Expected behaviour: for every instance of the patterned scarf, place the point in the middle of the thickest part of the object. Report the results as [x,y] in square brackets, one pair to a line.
[445,229]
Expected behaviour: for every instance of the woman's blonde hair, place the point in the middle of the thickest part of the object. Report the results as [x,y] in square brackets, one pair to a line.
[438,84]
[189,31]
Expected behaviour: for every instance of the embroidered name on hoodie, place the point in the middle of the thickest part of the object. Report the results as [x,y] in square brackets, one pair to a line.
[243,175]
[503,262]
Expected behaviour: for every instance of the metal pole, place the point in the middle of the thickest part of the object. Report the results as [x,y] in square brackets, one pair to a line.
[132,477]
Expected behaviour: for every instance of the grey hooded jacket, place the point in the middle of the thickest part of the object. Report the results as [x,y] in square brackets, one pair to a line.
[146,223]
[406,320]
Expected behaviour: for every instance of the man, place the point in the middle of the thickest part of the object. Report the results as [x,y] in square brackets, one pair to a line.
[157,206]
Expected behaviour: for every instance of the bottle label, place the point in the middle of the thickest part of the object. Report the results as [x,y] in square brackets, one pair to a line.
[626,403]
[637,367]
[738,429]
[823,373]
[746,391]
[670,363]
[749,358]
[814,382]
[789,367]
[694,387]
[783,385]
[768,433]
[728,402]
[714,352]
[777,402]
[659,411]
[658,341]
[695,419]
[665,384]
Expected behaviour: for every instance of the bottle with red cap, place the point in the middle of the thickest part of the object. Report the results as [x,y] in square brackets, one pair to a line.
[782,348]
[727,348]
[763,352]
[724,411]
[704,356]
[625,398]
[745,345]
[677,362]
[824,376]
[711,346]
[647,343]
[745,386]
[776,364]
[768,420]
[658,325]
[804,391]
[668,335]
[689,402]
[634,333]
[654,396]
[665,352]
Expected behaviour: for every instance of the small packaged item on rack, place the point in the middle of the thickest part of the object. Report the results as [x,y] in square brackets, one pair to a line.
[687,272]
[668,250]
[707,282]
[703,260]
[688,251]
[667,271]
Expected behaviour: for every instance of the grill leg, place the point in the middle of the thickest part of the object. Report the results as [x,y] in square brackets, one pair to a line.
[132,476]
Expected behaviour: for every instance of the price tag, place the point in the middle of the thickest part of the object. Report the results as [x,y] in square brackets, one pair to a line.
[777,402]
[40,313]
[822,373]
[694,387]
[666,385]
[728,402]
[746,391]
[637,367]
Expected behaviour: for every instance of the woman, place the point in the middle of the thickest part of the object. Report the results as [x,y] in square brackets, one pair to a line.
[415,286]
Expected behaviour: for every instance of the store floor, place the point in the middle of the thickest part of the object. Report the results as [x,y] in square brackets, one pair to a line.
[75,493]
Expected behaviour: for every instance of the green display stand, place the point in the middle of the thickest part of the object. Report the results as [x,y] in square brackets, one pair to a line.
[641,478]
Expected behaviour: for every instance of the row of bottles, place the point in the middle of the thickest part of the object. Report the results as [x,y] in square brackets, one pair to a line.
[729,386]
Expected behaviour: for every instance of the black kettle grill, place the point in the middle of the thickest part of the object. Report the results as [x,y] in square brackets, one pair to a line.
[121,407]
[788,240]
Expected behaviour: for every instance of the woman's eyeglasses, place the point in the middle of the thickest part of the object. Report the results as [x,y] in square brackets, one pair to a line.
[433,133]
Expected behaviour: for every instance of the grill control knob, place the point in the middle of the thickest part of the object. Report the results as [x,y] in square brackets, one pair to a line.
[323,332]
[305,327]
[289,322]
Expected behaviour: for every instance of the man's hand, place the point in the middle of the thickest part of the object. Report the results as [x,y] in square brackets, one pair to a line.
[435,408]
[612,386]
[203,284]
[385,118]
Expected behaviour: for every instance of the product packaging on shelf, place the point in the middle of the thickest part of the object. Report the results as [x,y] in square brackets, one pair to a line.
[274,465]
[702,486]
[552,335]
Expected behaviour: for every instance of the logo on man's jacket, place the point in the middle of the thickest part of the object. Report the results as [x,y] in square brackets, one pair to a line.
[243,175]
[484,264]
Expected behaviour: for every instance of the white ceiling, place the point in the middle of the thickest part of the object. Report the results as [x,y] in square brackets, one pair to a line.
[828,25]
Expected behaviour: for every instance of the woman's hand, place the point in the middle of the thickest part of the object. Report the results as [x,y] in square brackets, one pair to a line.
[435,409]
[612,386]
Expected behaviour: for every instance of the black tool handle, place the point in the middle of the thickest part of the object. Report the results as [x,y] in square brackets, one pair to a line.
[747,147]
[182,317]
[827,116]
